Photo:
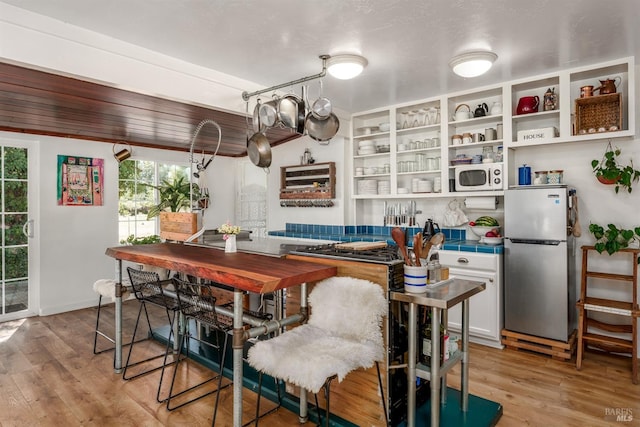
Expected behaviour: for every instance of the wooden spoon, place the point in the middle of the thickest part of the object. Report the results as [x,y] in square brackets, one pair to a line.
[398,236]
[417,246]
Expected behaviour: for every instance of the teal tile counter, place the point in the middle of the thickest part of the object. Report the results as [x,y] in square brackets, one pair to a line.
[455,239]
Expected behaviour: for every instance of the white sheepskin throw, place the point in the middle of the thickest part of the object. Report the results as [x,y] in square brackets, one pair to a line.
[344,333]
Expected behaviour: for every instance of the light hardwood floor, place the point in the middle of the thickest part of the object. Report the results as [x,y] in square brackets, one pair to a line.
[50,377]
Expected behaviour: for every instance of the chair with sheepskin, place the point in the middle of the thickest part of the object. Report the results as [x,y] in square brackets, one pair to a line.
[343,334]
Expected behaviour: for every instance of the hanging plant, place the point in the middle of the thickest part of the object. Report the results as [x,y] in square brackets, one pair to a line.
[609,172]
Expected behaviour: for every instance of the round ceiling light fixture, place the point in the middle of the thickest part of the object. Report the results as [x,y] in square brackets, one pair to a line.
[347,66]
[472,64]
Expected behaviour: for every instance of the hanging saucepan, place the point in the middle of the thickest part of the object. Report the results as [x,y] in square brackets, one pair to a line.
[322,129]
[268,112]
[319,129]
[321,108]
[291,112]
[259,150]
[257,125]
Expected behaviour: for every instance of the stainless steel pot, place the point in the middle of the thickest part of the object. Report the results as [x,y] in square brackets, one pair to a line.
[268,113]
[259,150]
[291,112]
[321,108]
[257,125]
[322,129]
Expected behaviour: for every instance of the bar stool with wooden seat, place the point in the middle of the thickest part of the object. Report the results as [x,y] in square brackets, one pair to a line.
[343,334]
[106,288]
[148,288]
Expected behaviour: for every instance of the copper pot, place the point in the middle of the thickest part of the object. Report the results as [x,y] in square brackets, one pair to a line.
[608,86]
[586,91]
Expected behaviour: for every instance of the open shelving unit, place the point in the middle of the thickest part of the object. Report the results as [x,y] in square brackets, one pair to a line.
[606,335]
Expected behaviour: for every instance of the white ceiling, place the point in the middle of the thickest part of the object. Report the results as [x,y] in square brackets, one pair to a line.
[408,43]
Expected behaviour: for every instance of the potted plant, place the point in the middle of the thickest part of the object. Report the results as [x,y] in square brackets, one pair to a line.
[177,222]
[175,196]
[609,172]
[613,238]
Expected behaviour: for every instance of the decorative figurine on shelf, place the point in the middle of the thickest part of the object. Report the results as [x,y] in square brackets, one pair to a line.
[550,100]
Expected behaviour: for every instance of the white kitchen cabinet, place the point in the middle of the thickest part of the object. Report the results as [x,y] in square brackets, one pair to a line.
[407,124]
[473,100]
[486,318]
[410,148]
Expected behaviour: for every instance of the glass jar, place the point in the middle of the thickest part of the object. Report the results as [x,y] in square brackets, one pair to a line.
[540,177]
[431,272]
[488,156]
[498,156]
[554,177]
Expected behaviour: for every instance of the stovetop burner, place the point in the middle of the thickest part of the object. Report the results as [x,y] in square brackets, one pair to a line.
[386,255]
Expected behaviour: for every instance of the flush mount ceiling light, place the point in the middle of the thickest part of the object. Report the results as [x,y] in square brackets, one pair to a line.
[346,67]
[472,64]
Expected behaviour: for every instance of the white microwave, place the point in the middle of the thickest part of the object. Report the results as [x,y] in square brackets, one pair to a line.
[479,177]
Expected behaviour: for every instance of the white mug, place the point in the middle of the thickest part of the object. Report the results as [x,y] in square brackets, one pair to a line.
[456,140]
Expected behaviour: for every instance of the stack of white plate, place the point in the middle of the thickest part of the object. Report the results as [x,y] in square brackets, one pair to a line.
[425,186]
[366,146]
[367,187]
[403,190]
[384,187]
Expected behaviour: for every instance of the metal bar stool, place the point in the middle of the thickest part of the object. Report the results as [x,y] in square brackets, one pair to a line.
[197,303]
[343,333]
[107,288]
[148,289]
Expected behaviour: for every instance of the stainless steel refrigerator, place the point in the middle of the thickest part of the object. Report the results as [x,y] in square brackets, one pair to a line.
[540,287]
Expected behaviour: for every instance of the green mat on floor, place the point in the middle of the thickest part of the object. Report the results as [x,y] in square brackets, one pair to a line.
[481,413]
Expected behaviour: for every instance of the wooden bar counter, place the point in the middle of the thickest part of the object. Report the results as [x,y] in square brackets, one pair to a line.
[242,271]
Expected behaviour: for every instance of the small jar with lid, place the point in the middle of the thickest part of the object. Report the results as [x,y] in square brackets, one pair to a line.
[498,156]
[431,272]
[540,177]
[488,156]
[555,177]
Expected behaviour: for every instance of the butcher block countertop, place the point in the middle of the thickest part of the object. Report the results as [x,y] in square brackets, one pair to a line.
[248,272]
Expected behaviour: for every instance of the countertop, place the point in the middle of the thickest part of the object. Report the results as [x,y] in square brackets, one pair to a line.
[270,246]
[246,271]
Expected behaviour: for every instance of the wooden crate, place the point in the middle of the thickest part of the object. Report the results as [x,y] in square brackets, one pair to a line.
[595,112]
[556,349]
[178,226]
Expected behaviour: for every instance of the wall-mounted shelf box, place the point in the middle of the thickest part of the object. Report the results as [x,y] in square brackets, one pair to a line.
[314,181]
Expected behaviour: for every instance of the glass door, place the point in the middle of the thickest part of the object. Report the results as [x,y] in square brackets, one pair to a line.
[17,232]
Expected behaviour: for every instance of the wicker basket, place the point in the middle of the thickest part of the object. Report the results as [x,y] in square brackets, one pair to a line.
[595,112]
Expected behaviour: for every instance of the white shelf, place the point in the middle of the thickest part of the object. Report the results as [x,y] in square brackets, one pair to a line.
[566,85]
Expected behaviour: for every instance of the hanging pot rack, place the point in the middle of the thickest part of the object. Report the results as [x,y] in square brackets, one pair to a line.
[246,95]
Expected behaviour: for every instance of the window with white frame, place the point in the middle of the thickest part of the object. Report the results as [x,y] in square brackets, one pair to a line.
[136,182]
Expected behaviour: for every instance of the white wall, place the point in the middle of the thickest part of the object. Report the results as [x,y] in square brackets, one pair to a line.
[288,155]
[72,239]
[67,274]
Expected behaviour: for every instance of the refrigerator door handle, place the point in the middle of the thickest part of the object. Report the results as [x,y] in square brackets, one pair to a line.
[536,242]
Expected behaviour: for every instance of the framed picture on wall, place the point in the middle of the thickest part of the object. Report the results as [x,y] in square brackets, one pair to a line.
[80,181]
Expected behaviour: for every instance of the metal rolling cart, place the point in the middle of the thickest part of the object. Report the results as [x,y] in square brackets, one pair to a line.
[441,297]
